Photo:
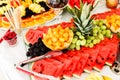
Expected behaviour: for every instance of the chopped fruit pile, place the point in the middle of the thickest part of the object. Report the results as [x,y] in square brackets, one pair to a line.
[113,22]
[74,62]
[58,38]
[33,12]
[37,49]
[32,35]
[107,13]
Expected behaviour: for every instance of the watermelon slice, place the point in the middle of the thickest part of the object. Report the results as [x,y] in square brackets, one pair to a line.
[69,72]
[65,61]
[93,52]
[81,64]
[44,67]
[113,44]
[32,36]
[59,66]
[102,57]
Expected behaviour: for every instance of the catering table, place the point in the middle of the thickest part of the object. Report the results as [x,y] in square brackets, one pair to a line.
[12,55]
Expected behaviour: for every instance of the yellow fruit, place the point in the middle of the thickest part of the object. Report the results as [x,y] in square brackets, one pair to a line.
[59,38]
[107,78]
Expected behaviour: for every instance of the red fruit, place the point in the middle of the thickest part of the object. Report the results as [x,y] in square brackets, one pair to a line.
[1,40]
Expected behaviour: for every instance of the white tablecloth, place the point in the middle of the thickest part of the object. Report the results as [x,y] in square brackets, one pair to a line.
[12,55]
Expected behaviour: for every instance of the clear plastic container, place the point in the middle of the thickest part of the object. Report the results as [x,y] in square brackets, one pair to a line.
[12,41]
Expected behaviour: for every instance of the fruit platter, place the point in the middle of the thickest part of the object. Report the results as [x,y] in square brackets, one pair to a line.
[79,49]
[33,12]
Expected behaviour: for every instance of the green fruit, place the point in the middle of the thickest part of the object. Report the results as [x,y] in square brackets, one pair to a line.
[72,46]
[83,42]
[78,42]
[101,36]
[77,47]
[78,33]
[103,27]
[74,40]
[88,41]
[95,41]
[81,37]
[91,45]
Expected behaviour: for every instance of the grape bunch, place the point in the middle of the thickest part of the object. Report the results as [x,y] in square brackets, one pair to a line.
[78,40]
[98,33]
[37,49]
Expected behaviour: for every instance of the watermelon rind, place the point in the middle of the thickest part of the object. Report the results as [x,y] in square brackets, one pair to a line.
[87,71]
[95,68]
[66,77]
[76,76]
[107,63]
[32,77]
[24,37]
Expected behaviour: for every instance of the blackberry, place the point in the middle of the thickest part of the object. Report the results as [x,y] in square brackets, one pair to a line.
[3,4]
[29,13]
[43,4]
[30,45]
[37,49]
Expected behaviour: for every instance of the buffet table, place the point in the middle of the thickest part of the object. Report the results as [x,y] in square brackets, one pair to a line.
[11,55]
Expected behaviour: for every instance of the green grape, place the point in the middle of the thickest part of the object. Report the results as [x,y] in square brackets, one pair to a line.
[77,47]
[83,42]
[78,33]
[108,33]
[95,31]
[78,42]
[103,27]
[95,22]
[81,37]
[91,45]
[95,41]
[118,34]
[74,39]
[101,36]
[98,40]
[72,46]
[104,32]
[100,23]
[95,35]
[86,45]
[88,41]
[100,31]
[92,37]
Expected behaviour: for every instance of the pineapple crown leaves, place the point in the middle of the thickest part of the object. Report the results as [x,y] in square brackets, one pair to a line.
[82,17]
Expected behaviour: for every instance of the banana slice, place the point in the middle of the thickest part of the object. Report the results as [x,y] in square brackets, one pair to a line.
[107,78]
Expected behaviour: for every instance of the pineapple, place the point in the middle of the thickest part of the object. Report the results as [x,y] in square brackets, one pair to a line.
[82,17]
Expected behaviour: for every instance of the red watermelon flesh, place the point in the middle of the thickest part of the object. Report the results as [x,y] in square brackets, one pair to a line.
[38,66]
[112,53]
[93,53]
[69,72]
[44,67]
[65,61]
[32,36]
[59,65]
[113,46]
[102,57]
[49,69]
[81,64]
